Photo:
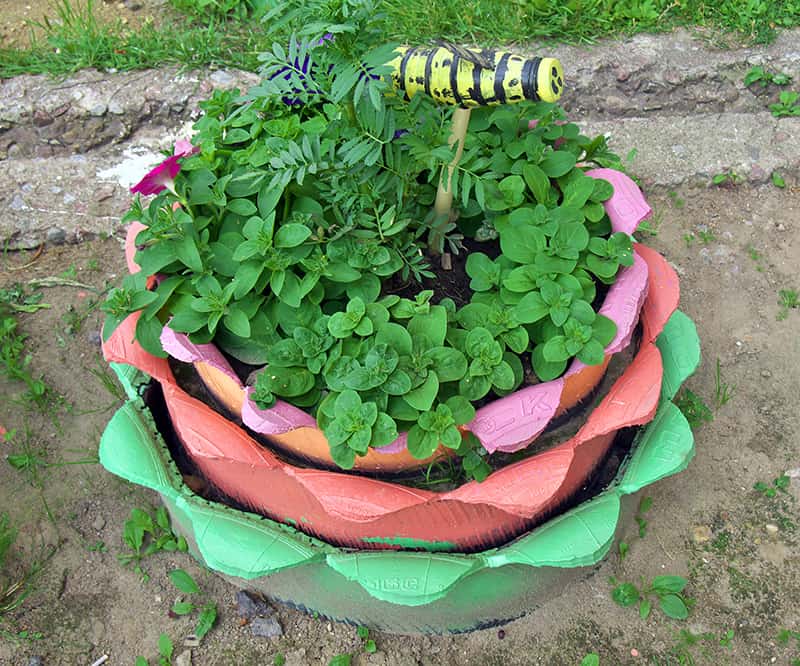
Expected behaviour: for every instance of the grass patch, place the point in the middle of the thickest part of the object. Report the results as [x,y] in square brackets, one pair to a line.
[17,581]
[74,40]
[228,33]
[485,21]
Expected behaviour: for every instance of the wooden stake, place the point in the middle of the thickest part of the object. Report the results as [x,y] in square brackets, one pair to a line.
[444,195]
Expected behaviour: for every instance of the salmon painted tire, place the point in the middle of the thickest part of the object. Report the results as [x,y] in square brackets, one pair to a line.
[362,512]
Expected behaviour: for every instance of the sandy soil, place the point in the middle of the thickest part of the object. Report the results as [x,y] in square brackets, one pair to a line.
[734,249]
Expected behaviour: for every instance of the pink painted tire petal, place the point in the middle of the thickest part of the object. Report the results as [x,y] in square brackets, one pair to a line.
[181,348]
[624,302]
[398,445]
[511,423]
[278,419]
[627,207]
[130,246]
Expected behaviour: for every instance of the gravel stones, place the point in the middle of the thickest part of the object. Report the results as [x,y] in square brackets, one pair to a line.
[261,616]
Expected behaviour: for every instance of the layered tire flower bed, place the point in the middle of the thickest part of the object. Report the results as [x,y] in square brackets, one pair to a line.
[405,591]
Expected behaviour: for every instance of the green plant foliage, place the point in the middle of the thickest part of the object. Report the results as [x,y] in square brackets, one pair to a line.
[779,484]
[764,77]
[789,299]
[786,105]
[668,590]
[16,583]
[294,234]
[694,408]
[14,361]
[223,9]
[145,535]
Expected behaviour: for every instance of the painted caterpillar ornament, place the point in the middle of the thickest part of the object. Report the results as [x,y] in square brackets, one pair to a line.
[456,76]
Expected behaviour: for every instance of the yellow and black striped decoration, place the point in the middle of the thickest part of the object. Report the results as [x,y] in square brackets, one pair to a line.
[450,76]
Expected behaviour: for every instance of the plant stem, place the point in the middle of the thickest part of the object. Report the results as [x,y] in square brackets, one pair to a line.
[444,195]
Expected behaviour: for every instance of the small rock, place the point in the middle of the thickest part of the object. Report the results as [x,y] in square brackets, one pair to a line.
[615,104]
[191,641]
[772,530]
[766,374]
[251,605]
[36,661]
[104,192]
[133,5]
[18,203]
[793,473]
[41,118]
[266,627]
[115,108]
[56,236]
[98,109]
[99,522]
[757,174]
[68,198]
[184,658]
[222,78]
[94,339]
[781,227]
[701,533]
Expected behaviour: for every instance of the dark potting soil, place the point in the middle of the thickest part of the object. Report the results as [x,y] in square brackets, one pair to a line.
[451,279]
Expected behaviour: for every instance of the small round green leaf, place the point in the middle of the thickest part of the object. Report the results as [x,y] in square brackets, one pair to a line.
[291,235]
[673,606]
[183,581]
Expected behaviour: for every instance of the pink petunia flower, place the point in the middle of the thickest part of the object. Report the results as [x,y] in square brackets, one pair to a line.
[163,176]
[184,148]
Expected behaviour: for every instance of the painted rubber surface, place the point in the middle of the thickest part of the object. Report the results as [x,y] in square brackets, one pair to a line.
[406,592]
[362,512]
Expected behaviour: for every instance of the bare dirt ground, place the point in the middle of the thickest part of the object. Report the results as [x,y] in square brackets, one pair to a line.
[734,249]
